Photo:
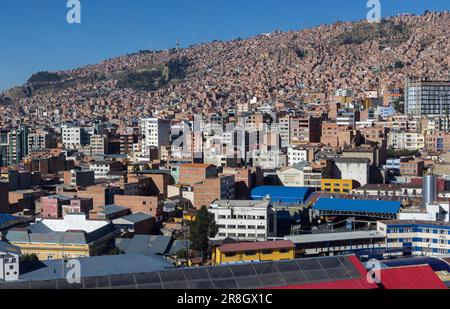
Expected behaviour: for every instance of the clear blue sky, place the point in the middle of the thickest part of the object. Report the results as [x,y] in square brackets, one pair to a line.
[35,36]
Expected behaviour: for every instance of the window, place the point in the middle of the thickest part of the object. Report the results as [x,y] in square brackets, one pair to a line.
[284,250]
[267,252]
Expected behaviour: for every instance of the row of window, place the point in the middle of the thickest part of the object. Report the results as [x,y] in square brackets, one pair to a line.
[242,217]
[251,236]
[419,230]
[254,253]
[243,227]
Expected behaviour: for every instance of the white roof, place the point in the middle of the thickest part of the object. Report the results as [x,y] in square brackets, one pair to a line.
[74,222]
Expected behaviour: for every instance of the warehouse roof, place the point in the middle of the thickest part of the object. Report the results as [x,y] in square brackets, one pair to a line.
[312,238]
[411,278]
[281,194]
[101,266]
[371,206]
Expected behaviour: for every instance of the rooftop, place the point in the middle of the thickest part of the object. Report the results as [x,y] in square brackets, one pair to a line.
[312,238]
[239,203]
[348,205]
[250,246]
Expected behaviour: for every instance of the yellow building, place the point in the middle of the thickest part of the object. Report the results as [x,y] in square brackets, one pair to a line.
[339,186]
[53,239]
[258,251]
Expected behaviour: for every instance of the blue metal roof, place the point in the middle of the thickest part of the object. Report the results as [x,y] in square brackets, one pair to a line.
[435,263]
[281,194]
[6,219]
[371,206]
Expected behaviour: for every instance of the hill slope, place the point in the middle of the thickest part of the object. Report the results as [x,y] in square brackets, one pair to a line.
[272,67]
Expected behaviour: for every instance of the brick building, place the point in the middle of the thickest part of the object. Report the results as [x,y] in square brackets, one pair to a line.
[149,205]
[191,174]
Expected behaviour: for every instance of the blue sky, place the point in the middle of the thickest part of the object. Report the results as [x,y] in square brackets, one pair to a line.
[35,35]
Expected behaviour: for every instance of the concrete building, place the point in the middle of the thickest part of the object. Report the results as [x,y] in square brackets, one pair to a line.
[357,169]
[98,145]
[244,220]
[420,238]
[9,262]
[427,97]
[102,168]
[403,140]
[297,155]
[74,137]
[40,139]
[79,178]
[156,133]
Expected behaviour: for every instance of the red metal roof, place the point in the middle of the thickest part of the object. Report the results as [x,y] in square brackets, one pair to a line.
[411,278]
[250,246]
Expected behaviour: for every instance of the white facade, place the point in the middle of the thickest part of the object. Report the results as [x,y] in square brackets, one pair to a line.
[353,168]
[423,238]
[73,137]
[244,220]
[9,262]
[156,134]
[403,140]
[437,212]
[75,222]
[296,156]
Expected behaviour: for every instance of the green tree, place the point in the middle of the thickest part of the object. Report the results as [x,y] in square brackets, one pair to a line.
[182,254]
[29,258]
[201,230]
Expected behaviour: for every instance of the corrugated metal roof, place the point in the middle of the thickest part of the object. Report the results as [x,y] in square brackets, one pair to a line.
[100,266]
[360,283]
[435,263]
[329,204]
[411,278]
[281,194]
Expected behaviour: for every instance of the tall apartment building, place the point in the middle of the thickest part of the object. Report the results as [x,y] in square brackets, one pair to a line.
[40,139]
[299,130]
[99,145]
[425,96]
[13,145]
[156,133]
[74,137]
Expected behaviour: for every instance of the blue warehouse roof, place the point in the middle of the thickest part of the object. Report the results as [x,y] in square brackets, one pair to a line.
[279,194]
[370,206]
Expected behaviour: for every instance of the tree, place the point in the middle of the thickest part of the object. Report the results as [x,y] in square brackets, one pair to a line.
[201,230]
[29,258]
[182,254]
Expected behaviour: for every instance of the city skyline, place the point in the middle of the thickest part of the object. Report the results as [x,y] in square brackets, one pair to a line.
[41,39]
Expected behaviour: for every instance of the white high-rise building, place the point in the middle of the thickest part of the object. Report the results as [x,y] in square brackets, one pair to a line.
[156,133]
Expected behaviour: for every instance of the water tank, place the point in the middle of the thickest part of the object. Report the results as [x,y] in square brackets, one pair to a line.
[429,189]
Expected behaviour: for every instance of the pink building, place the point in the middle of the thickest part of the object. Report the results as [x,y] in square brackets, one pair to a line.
[52,205]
